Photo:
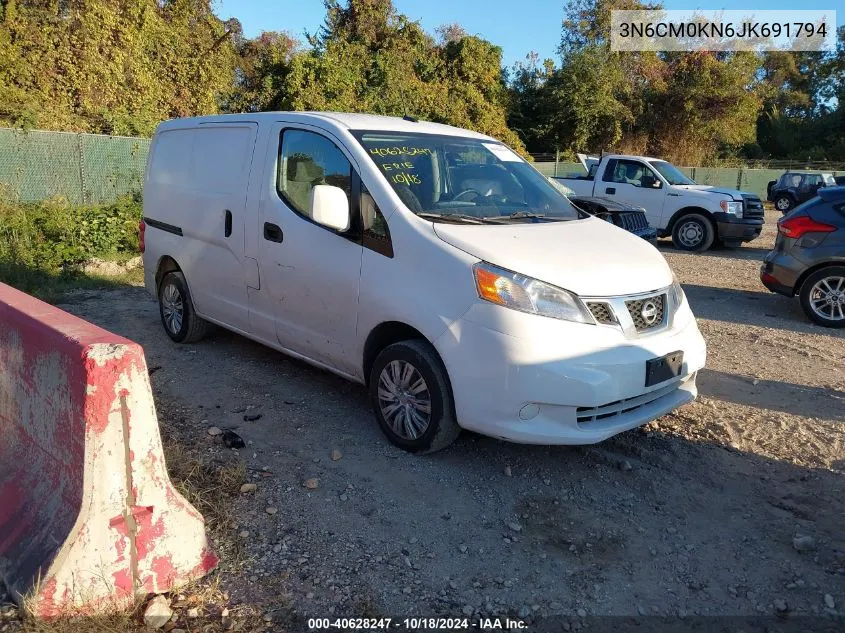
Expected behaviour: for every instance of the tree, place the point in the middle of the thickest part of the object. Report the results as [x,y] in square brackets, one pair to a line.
[113,66]
[367,57]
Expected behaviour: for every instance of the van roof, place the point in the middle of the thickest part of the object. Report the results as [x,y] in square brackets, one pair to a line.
[344,120]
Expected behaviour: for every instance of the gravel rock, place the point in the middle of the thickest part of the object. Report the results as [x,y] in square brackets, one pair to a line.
[829,602]
[249,488]
[312,484]
[158,612]
[803,543]
[508,471]
[516,527]
[213,431]
[781,606]
[192,613]
[336,455]
[271,510]
[625,465]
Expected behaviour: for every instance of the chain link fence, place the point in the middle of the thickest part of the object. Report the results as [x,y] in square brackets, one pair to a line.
[95,169]
[83,168]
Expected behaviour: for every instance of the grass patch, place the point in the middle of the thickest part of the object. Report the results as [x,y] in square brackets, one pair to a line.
[44,246]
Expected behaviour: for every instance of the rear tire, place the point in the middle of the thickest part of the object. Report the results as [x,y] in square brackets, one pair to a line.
[177,312]
[412,398]
[823,296]
[693,232]
[784,203]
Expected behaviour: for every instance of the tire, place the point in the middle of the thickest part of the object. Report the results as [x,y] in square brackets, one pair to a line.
[693,232]
[784,203]
[422,432]
[815,291]
[176,309]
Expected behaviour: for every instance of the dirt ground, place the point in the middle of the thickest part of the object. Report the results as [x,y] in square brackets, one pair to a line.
[733,505]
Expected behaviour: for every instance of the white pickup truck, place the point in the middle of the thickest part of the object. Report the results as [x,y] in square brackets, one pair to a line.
[696,216]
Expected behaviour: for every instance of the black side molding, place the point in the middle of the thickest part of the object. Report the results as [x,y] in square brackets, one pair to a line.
[170,228]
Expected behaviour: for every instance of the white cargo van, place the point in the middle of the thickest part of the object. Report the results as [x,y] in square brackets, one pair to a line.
[428,262]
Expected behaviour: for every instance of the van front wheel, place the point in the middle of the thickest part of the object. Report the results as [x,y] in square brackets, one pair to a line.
[178,317]
[411,397]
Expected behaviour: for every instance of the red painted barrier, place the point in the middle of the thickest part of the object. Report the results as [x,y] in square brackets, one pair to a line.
[88,516]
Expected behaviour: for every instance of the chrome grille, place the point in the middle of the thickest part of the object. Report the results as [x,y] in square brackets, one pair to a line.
[602,312]
[633,221]
[752,206]
[642,322]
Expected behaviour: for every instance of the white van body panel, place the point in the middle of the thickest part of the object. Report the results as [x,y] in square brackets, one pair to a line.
[320,296]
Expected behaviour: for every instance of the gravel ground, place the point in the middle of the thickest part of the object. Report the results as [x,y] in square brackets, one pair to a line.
[732,505]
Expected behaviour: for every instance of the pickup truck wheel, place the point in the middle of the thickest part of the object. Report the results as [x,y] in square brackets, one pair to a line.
[784,203]
[176,309]
[823,296]
[693,232]
[411,397]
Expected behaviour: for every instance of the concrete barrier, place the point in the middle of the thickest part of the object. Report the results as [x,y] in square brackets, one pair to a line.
[88,516]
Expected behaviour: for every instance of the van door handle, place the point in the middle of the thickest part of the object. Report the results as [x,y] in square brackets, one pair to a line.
[610,190]
[273,233]
[227,231]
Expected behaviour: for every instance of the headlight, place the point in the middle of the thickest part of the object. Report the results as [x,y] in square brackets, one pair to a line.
[526,294]
[676,294]
[734,208]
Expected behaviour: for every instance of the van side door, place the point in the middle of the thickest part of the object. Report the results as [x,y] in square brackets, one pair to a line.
[213,257]
[310,273]
[636,183]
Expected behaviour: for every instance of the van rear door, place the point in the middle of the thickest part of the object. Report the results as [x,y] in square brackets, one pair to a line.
[222,157]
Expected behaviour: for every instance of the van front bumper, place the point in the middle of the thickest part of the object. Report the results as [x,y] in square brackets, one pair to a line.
[563,383]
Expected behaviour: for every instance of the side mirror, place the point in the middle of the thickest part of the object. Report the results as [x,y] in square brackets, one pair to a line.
[650,182]
[330,207]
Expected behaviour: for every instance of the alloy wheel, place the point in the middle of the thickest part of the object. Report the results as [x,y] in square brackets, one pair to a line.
[172,308]
[827,298]
[404,399]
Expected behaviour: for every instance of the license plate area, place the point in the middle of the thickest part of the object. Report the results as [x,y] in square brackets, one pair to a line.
[665,368]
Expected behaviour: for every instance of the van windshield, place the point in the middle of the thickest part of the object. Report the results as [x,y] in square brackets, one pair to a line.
[466,180]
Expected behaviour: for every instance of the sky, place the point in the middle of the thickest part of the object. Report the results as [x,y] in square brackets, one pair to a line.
[518,26]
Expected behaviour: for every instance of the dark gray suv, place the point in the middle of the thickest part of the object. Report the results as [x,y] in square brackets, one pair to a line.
[809,257]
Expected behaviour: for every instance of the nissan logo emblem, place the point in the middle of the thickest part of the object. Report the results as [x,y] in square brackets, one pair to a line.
[649,312]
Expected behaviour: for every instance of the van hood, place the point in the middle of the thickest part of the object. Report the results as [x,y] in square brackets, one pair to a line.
[589,257]
[733,194]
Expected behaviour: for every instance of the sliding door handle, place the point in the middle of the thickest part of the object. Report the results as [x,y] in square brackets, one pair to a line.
[227,230]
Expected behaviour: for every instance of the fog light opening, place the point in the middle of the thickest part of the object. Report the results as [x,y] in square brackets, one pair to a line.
[529,411]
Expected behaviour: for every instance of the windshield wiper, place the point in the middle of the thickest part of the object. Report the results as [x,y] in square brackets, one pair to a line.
[526,215]
[456,217]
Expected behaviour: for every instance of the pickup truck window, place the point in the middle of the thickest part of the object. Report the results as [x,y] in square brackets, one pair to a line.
[467,180]
[630,172]
[671,174]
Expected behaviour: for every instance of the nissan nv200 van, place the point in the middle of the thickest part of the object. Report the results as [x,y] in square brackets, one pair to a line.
[432,264]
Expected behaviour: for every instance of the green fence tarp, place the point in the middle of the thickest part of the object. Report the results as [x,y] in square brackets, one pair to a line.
[83,168]
[93,169]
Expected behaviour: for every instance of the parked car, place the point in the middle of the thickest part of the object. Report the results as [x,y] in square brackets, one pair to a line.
[793,188]
[623,215]
[808,259]
[431,263]
[696,216]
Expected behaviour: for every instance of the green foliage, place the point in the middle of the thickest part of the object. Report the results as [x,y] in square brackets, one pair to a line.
[55,237]
[110,66]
